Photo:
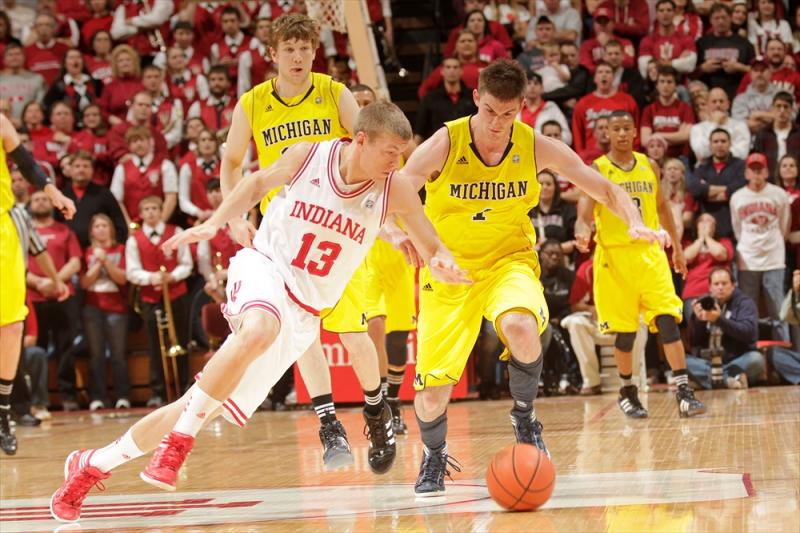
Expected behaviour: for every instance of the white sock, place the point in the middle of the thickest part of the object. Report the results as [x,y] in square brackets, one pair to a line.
[197,410]
[118,452]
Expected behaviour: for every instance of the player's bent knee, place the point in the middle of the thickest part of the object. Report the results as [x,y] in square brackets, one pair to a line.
[624,342]
[519,328]
[668,329]
[432,402]
[357,343]
[258,331]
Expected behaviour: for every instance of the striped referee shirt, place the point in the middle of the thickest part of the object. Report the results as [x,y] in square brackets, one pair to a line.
[28,237]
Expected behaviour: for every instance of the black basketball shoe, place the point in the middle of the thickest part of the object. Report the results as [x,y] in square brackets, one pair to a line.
[8,441]
[432,471]
[688,405]
[335,448]
[629,402]
[382,447]
[398,424]
[528,430]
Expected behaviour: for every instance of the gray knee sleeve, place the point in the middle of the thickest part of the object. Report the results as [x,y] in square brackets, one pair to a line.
[667,329]
[523,379]
[624,342]
[433,433]
[397,348]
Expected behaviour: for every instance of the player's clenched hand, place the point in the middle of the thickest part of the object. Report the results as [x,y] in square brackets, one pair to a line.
[582,242]
[60,202]
[243,232]
[444,268]
[679,262]
[201,232]
[643,233]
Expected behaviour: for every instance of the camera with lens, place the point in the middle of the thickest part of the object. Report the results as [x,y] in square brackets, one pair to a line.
[707,302]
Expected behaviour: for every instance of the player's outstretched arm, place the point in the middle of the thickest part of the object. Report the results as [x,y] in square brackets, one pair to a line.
[246,194]
[557,156]
[427,160]
[230,172]
[404,202]
[667,221]
[30,170]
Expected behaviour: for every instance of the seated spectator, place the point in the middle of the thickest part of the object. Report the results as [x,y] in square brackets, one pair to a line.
[566,21]
[17,85]
[703,255]
[256,66]
[216,110]
[722,56]
[763,25]
[126,81]
[687,21]
[45,54]
[140,114]
[98,61]
[90,199]
[787,362]
[787,178]
[554,130]
[602,101]
[579,80]
[489,48]
[196,62]
[673,183]
[467,53]
[191,129]
[591,53]
[786,78]
[449,101]
[781,135]
[496,29]
[74,86]
[735,317]
[66,28]
[631,17]
[656,150]
[554,74]
[626,80]
[666,45]
[142,26]
[760,217]
[228,48]
[601,140]
[62,124]
[718,118]
[536,112]
[105,313]
[698,93]
[754,106]
[340,71]
[5,32]
[100,18]
[144,173]
[143,259]
[584,334]
[182,83]
[93,138]
[668,117]
[532,58]
[553,218]
[168,112]
[714,182]
[56,315]
[195,173]
[214,255]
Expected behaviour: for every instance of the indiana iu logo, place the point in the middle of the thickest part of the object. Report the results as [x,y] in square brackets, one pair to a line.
[234,291]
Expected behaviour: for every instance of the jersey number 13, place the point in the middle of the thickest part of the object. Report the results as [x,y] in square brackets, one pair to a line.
[321,267]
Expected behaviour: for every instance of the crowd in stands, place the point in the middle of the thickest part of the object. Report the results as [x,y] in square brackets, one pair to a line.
[125,104]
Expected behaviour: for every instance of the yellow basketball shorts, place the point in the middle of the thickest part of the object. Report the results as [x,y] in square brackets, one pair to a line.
[349,315]
[12,274]
[450,315]
[390,288]
[630,281]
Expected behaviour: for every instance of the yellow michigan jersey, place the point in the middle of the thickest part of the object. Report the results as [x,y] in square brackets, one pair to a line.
[481,214]
[277,123]
[631,278]
[12,272]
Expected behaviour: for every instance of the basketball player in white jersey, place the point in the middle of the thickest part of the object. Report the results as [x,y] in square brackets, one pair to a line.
[337,195]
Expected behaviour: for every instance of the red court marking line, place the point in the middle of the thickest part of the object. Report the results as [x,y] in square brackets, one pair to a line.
[748,484]
[120,504]
[111,515]
[134,511]
[602,412]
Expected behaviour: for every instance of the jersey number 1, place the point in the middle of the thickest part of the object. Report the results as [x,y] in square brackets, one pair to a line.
[330,251]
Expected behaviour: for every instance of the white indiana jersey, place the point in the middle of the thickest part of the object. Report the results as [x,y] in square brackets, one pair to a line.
[318,229]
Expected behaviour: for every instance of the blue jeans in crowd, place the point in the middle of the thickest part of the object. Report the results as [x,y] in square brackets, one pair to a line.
[751,363]
[787,363]
[769,282]
[106,329]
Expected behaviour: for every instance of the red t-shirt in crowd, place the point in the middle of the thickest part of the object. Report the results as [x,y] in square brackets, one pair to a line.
[666,47]
[592,106]
[45,60]
[696,283]
[62,245]
[582,284]
[104,293]
[662,118]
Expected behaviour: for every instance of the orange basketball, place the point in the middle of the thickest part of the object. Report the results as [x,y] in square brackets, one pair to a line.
[521,478]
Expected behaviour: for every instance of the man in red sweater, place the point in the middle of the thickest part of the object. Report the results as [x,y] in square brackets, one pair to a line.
[631,17]
[601,102]
[140,114]
[785,78]
[45,55]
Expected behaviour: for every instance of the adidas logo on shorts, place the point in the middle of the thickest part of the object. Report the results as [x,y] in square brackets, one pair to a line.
[462,160]
[427,287]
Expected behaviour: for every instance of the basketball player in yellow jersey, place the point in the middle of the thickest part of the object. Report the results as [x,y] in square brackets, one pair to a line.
[299,105]
[480,177]
[12,268]
[633,278]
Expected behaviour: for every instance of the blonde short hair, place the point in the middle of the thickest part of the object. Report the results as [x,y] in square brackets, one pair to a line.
[125,49]
[383,117]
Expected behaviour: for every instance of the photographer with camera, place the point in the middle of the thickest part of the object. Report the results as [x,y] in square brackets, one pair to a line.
[723,334]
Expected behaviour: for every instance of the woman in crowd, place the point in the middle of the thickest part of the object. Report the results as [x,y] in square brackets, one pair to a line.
[101,17]
[703,255]
[62,123]
[553,218]
[126,81]
[787,178]
[764,24]
[194,174]
[74,86]
[105,312]
[471,64]
[98,63]
[185,150]
[687,21]
[489,48]
[41,136]
[93,138]
[673,183]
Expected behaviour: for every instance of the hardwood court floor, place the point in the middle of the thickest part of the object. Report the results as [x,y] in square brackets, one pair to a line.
[736,468]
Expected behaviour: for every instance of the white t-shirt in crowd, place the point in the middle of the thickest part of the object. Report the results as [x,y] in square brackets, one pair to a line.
[761,222]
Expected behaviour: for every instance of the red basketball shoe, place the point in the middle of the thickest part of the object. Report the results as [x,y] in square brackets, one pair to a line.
[79,478]
[162,470]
